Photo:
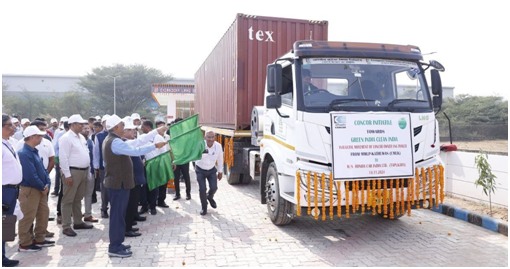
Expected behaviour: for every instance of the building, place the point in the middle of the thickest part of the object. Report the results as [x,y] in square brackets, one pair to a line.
[44,85]
[178,95]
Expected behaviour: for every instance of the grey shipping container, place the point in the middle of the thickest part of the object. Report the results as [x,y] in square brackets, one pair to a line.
[232,78]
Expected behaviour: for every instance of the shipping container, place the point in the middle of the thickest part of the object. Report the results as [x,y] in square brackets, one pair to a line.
[232,78]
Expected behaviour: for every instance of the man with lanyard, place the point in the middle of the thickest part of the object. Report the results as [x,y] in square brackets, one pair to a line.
[11,177]
[58,133]
[206,168]
[119,180]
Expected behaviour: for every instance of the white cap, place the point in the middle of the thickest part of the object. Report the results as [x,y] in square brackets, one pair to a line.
[112,121]
[76,118]
[14,120]
[105,117]
[53,120]
[32,130]
[135,116]
[25,120]
[98,118]
[128,123]
[64,119]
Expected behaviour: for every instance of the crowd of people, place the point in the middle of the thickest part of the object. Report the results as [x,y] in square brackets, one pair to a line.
[104,155]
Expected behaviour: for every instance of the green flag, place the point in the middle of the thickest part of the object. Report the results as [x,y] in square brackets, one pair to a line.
[183,126]
[188,146]
[159,170]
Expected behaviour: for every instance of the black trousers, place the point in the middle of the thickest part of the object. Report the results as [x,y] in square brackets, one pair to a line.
[212,178]
[161,194]
[184,170]
[132,207]
[148,198]
[60,195]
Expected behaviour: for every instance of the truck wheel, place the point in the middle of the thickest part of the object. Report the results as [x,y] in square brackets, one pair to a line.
[278,208]
[232,178]
[246,179]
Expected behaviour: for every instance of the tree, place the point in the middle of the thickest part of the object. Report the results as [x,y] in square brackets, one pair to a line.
[486,178]
[133,87]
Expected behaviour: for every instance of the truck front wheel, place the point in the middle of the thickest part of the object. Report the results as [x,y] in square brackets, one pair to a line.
[279,209]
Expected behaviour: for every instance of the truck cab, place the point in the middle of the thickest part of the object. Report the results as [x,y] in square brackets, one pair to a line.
[317,85]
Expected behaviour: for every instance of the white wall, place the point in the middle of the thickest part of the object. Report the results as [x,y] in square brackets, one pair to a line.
[171,110]
[461,173]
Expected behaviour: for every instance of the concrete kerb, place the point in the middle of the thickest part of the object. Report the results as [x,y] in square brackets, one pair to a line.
[474,218]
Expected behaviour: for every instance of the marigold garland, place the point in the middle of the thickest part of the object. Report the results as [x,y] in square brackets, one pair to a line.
[379,196]
[397,198]
[436,186]
[402,205]
[347,199]
[424,183]
[362,197]
[339,199]
[323,185]
[308,192]
[391,199]
[231,148]
[441,177]
[298,186]
[369,195]
[226,154]
[355,198]
[429,171]
[417,188]
[374,205]
[331,196]
[385,198]
[316,198]
[409,183]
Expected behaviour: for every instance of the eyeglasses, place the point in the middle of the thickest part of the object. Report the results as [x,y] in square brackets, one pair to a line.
[8,124]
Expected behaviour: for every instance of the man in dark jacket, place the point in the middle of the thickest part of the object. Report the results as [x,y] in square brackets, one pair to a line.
[119,180]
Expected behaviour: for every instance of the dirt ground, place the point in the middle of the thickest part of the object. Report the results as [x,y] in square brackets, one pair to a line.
[477,207]
[488,145]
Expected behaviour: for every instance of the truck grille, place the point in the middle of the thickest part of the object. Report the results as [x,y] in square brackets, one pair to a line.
[417,130]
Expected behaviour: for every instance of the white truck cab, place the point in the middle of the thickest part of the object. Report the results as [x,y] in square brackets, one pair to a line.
[340,118]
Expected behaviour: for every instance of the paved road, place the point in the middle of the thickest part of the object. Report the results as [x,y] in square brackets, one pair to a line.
[239,233]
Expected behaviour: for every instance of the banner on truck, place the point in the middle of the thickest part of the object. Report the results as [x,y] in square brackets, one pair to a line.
[372,145]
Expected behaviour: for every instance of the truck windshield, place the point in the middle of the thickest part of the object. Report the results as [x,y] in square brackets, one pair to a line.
[360,84]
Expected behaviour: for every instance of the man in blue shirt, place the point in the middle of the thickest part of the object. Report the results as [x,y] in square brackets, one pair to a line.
[99,167]
[32,194]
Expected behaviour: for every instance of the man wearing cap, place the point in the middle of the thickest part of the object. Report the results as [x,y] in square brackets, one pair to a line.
[58,134]
[24,124]
[54,126]
[89,190]
[75,165]
[16,123]
[119,179]
[11,176]
[99,166]
[32,194]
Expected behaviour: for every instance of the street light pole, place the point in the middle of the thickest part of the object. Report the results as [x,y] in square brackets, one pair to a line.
[114,95]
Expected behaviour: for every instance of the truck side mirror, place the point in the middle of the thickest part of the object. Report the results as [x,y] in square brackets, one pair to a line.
[437,88]
[273,101]
[274,78]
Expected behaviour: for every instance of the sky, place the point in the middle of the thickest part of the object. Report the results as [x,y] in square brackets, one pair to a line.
[72,37]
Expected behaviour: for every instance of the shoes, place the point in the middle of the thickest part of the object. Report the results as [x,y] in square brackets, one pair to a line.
[164,205]
[90,219]
[104,215]
[188,197]
[203,212]
[132,234]
[135,223]
[49,234]
[138,218]
[120,254]
[211,202]
[51,218]
[143,210]
[59,219]
[82,226]
[54,194]
[9,263]
[29,248]
[69,232]
[135,229]
[177,197]
[126,247]
[153,211]
[45,243]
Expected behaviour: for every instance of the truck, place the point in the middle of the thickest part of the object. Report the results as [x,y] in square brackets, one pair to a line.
[326,128]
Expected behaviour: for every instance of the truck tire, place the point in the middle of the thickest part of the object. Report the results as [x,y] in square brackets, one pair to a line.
[232,178]
[279,209]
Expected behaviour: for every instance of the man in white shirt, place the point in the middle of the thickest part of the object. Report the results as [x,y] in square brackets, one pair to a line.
[75,164]
[206,168]
[45,149]
[11,177]
[54,126]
